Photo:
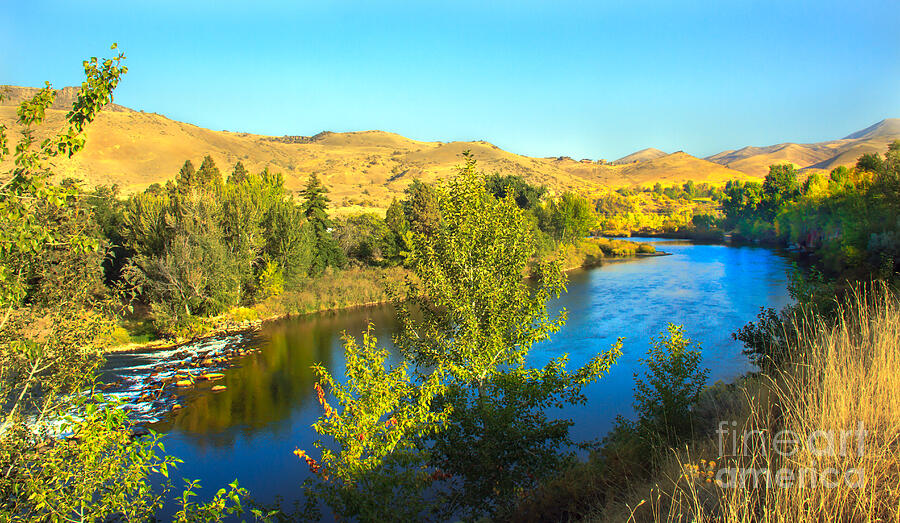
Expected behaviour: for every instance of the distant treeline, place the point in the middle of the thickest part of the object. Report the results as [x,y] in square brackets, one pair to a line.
[849,219]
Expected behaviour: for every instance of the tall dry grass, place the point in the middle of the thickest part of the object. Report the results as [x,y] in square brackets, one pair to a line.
[839,398]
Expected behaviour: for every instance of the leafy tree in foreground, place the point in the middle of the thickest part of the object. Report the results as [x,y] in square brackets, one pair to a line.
[377,472]
[53,329]
[470,324]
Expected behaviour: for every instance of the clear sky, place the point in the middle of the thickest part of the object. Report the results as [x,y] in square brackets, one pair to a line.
[583,79]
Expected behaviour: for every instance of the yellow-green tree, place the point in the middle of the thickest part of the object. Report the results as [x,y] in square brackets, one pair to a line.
[470,324]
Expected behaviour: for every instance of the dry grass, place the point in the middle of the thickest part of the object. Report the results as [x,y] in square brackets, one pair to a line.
[363,170]
[841,393]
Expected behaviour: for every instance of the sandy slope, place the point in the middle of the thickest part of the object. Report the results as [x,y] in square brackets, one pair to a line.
[755,161]
[362,169]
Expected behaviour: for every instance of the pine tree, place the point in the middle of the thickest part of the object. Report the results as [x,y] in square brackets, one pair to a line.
[208,176]
[239,173]
[315,208]
[187,176]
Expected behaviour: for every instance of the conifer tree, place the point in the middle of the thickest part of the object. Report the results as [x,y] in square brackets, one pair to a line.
[208,175]
[315,208]
[187,176]
[239,173]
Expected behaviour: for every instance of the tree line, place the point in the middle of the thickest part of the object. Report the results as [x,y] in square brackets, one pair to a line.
[848,219]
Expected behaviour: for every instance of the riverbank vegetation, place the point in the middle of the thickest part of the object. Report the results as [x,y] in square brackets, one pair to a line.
[812,439]
[67,453]
[185,254]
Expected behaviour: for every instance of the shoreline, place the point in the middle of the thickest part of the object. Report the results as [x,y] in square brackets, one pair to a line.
[248,326]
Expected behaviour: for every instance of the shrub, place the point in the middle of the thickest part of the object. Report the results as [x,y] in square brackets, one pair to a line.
[671,385]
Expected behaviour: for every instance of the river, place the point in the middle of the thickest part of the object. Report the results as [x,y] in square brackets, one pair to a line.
[249,430]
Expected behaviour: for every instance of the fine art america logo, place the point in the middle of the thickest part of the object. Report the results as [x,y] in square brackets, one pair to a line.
[787,459]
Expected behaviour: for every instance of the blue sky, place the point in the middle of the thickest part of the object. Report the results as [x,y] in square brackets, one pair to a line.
[584,79]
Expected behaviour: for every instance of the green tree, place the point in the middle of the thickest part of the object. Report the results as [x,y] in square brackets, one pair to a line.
[670,386]
[239,173]
[363,238]
[187,176]
[567,218]
[779,188]
[315,208]
[378,472]
[208,174]
[421,208]
[527,196]
[396,244]
[471,321]
[53,331]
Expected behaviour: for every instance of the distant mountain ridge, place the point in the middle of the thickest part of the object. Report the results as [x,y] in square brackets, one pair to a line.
[366,169]
[825,156]
[363,170]
[643,155]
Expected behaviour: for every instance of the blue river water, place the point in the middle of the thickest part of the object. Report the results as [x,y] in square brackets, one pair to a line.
[249,430]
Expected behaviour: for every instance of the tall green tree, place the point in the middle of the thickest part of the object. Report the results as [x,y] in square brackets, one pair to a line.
[208,174]
[471,322]
[779,188]
[315,207]
[239,173]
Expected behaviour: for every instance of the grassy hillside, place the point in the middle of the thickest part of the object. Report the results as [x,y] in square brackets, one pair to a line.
[755,161]
[643,155]
[362,169]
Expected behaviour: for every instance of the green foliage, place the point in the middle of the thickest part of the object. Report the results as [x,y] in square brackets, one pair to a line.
[500,442]
[741,200]
[567,218]
[527,196]
[270,281]
[326,252]
[239,173]
[779,187]
[97,471]
[479,313]
[225,502]
[377,473]
[468,325]
[202,247]
[396,242]
[848,220]
[671,384]
[364,238]
[64,456]
[420,208]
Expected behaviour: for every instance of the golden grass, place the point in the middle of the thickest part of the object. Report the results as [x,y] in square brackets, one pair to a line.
[363,170]
[840,397]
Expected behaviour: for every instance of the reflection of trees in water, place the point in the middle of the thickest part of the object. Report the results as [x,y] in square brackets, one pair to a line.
[263,389]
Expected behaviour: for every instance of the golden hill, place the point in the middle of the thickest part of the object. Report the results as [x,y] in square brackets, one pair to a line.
[361,169]
[755,161]
[670,169]
[643,155]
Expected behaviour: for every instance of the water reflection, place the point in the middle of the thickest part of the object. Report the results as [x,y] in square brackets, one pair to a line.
[249,430]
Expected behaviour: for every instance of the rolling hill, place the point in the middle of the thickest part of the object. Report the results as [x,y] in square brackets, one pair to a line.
[643,155]
[365,170]
[825,156]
